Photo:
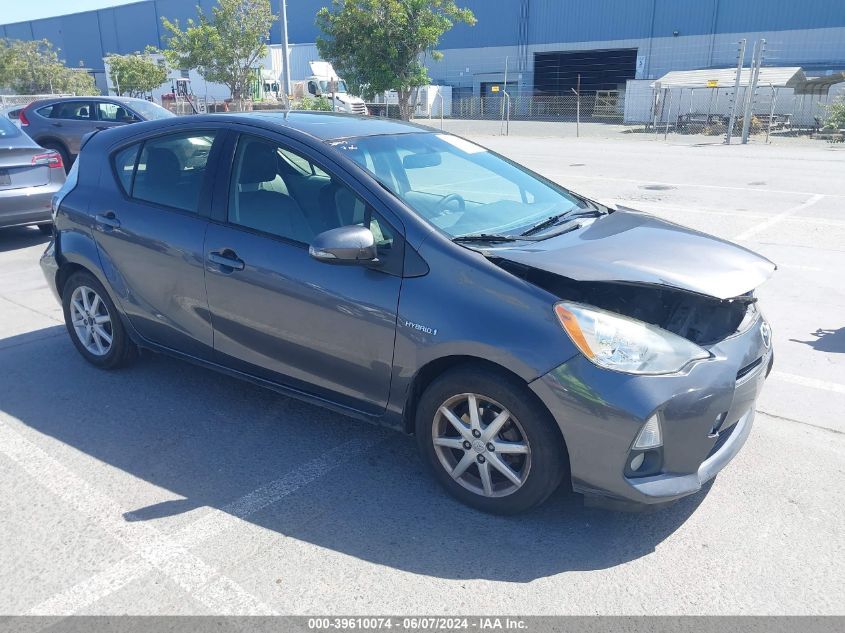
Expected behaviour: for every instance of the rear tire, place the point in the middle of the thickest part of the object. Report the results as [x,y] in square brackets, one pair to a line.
[94,324]
[513,438]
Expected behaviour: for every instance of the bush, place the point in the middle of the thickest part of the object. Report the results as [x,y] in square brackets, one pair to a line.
[320,103]
[836,114]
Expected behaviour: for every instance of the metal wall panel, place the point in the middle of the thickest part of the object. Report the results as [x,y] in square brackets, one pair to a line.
[802,32]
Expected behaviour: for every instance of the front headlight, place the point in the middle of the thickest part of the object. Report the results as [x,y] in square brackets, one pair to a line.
[623,344]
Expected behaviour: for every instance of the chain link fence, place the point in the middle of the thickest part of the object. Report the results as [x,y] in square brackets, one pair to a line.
[688,115]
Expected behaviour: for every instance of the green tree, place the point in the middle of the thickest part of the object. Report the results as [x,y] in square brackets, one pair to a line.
[137,74]
[379,45]
[34,67]
[225,47]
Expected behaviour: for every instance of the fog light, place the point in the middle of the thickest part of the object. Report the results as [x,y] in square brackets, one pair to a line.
[650,436]
[637,461]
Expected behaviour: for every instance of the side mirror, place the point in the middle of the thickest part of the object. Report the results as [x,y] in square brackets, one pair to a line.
[344,245]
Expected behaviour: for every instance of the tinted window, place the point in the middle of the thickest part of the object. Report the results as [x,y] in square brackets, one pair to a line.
[114,113]
[69,110]
[124,165]
[281,192]
[171,168]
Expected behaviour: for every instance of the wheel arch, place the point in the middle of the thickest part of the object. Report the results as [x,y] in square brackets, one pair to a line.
[53,139]
[434,368]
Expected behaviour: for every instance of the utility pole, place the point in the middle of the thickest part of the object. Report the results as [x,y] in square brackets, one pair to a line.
[285,57]
[739,65]
[759,48]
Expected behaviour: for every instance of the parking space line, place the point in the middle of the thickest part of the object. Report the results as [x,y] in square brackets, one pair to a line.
[213,523]
[780,217]
[813,383]
[188,571]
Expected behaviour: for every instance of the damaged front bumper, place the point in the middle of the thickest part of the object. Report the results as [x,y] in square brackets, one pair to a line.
[706,415]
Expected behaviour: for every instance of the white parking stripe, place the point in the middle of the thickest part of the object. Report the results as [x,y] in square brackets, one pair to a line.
[215,522]
[188,571]
[780,217]
[809,382]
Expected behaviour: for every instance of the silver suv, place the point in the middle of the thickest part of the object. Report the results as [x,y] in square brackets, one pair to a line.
[59,124]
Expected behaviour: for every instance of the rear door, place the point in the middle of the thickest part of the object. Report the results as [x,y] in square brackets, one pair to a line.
[150,224]
[69,121]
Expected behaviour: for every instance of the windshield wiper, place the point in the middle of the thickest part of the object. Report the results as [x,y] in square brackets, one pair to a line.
[556,219]
[483,237]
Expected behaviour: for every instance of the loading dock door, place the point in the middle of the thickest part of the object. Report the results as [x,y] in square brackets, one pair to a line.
[556,73]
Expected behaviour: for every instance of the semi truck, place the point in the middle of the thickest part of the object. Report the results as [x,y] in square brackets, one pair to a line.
[324,82]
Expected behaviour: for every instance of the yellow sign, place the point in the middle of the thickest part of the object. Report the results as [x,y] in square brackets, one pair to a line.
[713,83]
[494,89]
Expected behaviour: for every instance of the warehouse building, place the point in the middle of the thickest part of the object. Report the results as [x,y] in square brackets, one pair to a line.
[547,47]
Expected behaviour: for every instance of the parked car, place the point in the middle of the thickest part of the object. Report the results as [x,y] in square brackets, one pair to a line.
[29,176]
[13,113]
[60,123]
[527,335]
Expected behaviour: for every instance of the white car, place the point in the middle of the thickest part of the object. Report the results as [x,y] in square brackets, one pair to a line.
[13,112]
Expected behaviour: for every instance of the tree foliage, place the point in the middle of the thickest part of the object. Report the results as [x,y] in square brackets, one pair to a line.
[836,115]
[225,47]
[379,45]
[34,67]
[136,74]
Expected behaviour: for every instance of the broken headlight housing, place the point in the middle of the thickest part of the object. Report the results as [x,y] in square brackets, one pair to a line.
[623,344]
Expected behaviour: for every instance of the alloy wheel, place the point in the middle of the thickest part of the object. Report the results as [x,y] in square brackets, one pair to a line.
[481,445]
[91,321]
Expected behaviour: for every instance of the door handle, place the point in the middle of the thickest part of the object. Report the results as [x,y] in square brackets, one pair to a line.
[227,259]
[107,221]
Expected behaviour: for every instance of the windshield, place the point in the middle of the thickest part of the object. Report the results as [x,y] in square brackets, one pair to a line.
[325,87]
[150,111]
[7,128]
[461,188]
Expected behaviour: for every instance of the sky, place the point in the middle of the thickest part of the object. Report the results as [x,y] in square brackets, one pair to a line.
[17,11]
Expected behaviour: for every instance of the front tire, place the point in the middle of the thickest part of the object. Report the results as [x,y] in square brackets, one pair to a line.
[94,323]
[489,441]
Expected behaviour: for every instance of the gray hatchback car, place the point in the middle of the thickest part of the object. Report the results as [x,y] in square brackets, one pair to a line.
[29,177]
[526,335]
[60,123]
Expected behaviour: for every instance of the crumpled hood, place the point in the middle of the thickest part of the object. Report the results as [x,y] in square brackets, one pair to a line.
[633,247]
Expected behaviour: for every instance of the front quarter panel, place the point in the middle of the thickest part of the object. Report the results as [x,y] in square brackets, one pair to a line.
[467,306]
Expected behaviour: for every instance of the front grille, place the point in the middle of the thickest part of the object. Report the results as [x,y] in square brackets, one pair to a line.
[359,108]
[742,373]
[720,442]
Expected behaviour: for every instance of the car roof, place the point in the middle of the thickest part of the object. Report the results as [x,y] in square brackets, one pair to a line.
[328,126]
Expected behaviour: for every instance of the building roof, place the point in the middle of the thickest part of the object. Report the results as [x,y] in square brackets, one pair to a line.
[777,77]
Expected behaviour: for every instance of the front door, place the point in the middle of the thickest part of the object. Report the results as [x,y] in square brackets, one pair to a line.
[150,228]
[324,329]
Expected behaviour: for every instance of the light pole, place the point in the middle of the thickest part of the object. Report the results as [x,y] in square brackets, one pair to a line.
[285,58]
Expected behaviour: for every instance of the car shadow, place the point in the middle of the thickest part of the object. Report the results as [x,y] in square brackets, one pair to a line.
[826,340]
[16,237]
[211,439]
